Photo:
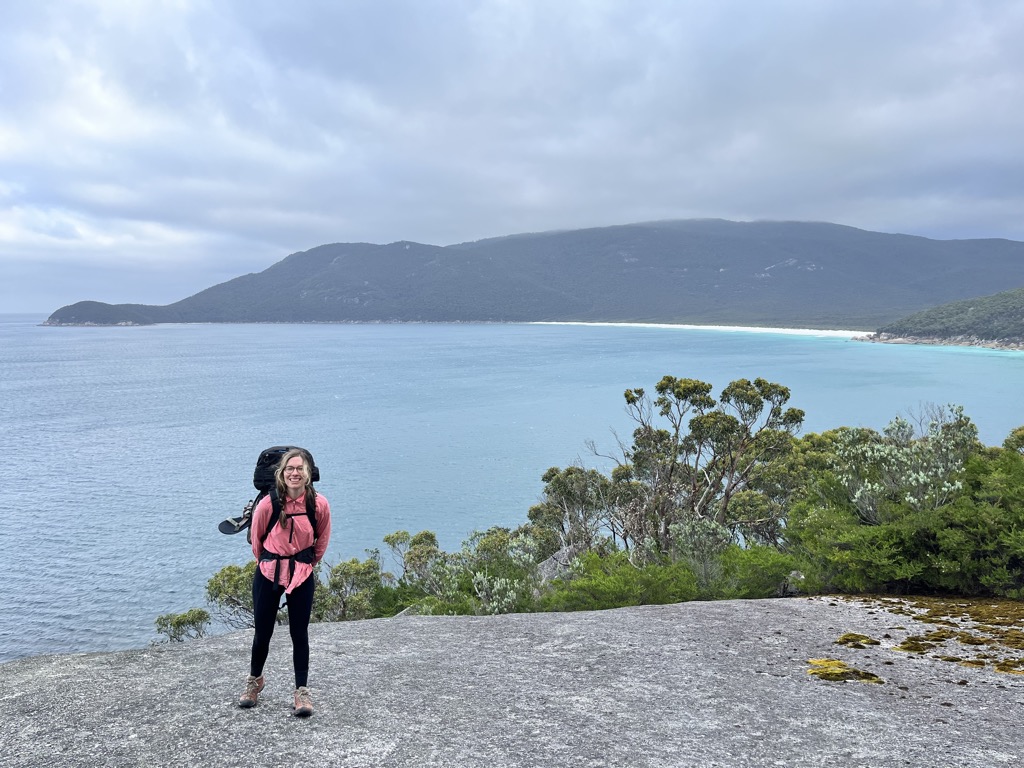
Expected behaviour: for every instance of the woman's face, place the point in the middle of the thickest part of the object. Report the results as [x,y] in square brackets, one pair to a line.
[295,475]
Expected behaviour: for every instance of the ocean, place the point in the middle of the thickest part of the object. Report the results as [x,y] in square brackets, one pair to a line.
[128,445]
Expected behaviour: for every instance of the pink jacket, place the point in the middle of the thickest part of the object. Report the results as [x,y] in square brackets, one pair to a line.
[294,536]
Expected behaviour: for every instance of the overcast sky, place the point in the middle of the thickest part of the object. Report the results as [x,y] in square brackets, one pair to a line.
[152,148]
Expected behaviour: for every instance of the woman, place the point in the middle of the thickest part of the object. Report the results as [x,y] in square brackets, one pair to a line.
[287,545]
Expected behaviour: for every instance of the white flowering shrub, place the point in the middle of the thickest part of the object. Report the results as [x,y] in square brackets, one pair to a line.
[922,471]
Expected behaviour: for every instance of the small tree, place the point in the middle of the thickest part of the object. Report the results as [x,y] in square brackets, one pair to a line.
[1015,440]
[229,593]
[350,590]
[577,505]
[419,558]
[178,627]
[709,462]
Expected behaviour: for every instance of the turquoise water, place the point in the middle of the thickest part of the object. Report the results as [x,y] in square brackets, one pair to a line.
[128,445]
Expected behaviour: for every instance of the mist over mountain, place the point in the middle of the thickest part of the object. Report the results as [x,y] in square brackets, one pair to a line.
[706,271]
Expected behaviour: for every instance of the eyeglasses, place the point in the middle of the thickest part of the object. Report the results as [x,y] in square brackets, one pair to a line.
[289,470]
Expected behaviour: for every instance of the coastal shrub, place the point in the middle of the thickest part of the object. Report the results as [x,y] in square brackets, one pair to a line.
[851,510]
[843,553]
[700,544]
[229,593]
[457,605]
[178,627]
[496,571]
[756,571]
[416,555]
[612,581]
[349,591]
[971,545]
[502,566]
[391,598]
[903,468]
[576,508]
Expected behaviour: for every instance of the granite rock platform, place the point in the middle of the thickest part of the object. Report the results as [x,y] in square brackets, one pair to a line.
[695,684]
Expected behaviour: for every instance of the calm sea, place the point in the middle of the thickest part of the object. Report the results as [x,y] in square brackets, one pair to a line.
[126,446]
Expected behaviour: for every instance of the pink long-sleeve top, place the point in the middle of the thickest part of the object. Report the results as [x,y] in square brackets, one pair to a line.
[291,538]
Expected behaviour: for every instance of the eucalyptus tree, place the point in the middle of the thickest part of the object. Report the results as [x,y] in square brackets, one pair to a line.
[1015,440]
[700,467]
[577,505]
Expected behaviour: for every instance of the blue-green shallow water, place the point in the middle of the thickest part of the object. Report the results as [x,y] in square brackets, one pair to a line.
[127,445]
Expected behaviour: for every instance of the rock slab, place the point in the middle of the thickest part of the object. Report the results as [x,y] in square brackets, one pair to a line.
[695,684]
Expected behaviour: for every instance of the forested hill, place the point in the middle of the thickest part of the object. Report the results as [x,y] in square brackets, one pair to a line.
[997,320]
[792,274]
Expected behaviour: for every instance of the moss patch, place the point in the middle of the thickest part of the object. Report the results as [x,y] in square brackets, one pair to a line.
[837,671]
[995,626]
[1010,666]
[856,640]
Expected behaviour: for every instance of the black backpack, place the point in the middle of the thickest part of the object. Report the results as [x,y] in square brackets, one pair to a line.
[264,482]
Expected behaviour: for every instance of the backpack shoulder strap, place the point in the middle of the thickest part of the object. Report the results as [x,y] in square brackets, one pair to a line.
[275,512]
[311,511]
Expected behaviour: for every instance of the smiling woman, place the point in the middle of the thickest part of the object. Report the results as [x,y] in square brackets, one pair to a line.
[291,527]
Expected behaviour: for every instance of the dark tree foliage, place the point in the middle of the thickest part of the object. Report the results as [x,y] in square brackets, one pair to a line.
[988,318]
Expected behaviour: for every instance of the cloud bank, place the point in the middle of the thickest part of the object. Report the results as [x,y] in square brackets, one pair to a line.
[151,148]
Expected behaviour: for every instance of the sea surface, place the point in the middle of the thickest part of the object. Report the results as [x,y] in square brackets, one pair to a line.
[126,446]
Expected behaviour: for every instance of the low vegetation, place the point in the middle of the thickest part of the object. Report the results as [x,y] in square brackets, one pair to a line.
[997,318]
[714,498]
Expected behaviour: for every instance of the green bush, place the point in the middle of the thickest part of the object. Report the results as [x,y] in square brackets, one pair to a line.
[973,545]
[349,591]
[754,572]
[229,592]
[178,627]
[392,599]
[613,582]
[457,605]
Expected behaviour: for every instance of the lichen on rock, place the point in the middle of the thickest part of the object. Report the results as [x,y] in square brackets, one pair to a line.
[856,640]
[836,670]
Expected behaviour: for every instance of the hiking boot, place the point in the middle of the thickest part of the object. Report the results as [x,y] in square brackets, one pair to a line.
[303,704]
[253,686]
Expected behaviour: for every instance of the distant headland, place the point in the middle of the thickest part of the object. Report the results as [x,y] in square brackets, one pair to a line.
[705,272]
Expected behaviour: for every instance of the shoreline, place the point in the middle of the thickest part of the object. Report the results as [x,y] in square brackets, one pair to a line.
[936,341]
[872,337]
[728,328]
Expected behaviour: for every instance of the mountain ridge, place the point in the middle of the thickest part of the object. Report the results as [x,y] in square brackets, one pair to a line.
[695,271]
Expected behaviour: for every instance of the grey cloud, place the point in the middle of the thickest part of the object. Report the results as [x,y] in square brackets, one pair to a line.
[233,133]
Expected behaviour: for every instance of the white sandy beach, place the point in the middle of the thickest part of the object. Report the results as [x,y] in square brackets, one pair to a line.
[736,328]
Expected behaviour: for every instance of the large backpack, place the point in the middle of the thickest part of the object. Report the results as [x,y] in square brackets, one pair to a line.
[264,481]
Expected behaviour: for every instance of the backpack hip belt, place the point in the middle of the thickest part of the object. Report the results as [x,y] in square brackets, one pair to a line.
[303,556]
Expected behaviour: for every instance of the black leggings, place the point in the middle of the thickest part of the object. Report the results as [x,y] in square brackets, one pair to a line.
[266,597]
